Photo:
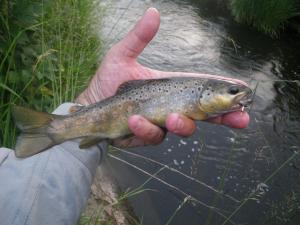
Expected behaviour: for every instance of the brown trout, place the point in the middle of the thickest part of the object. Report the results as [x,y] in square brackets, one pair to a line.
[196,98]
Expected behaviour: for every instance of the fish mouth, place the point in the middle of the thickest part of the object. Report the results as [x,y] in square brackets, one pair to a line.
[244,102]
[240,106]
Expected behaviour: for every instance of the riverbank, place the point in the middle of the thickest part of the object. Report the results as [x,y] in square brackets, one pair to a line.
[48,52]
[105,205]
[270,17]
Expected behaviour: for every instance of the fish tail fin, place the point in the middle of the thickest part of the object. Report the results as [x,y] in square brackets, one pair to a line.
[34,137]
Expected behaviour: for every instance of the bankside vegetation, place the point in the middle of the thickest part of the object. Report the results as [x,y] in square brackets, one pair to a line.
[269,16]
[48,50]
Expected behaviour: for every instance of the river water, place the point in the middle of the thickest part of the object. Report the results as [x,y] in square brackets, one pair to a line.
[222,167]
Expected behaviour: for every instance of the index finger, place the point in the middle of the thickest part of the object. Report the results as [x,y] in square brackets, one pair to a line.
[236,119]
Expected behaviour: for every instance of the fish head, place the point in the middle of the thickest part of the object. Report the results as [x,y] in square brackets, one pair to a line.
[220,96]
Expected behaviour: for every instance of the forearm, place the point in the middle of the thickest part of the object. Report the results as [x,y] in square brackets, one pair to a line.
[48,188]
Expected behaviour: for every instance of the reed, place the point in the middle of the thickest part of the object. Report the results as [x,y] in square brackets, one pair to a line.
[269,16]
[48,51]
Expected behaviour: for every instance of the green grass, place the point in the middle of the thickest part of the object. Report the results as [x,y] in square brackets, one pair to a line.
[95,218]
[269,16]
[48,52]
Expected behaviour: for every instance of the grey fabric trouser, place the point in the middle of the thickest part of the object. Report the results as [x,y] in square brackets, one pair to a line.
[50,188]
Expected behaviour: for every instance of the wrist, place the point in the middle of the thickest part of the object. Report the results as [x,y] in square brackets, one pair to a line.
[90,95]
[83,98]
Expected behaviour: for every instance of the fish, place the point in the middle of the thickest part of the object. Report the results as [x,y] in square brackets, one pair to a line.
[194,97]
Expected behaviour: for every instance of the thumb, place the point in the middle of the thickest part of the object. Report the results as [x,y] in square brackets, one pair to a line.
[142,33]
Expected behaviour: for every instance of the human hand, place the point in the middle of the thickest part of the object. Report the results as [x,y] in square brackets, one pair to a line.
[120,65]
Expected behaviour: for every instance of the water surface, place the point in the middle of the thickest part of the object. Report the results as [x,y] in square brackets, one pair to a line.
[201,36]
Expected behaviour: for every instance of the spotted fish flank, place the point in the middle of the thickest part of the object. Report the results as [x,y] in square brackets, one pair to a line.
[196,98]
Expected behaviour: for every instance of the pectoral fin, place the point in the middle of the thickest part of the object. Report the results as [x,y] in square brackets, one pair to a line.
[90,141]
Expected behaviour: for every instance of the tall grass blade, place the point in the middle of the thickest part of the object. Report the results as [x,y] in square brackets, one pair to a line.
[5,87]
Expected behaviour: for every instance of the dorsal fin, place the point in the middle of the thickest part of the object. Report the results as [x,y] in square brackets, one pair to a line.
[129,85]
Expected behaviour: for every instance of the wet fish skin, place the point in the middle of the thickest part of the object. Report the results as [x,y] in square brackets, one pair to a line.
[196,98]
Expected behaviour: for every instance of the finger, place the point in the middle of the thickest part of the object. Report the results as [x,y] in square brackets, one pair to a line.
[235,119]
[142,33]
[145,130]
[180,125]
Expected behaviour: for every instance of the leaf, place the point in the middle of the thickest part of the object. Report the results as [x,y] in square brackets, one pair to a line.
[5,87]
[39,75]
[23,39]
[46,91]
[13,77]
[25,76]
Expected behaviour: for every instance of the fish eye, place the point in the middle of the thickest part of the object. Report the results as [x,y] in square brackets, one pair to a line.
[233,90]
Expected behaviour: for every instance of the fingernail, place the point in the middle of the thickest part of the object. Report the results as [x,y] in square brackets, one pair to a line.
[179,124]
[152,9]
